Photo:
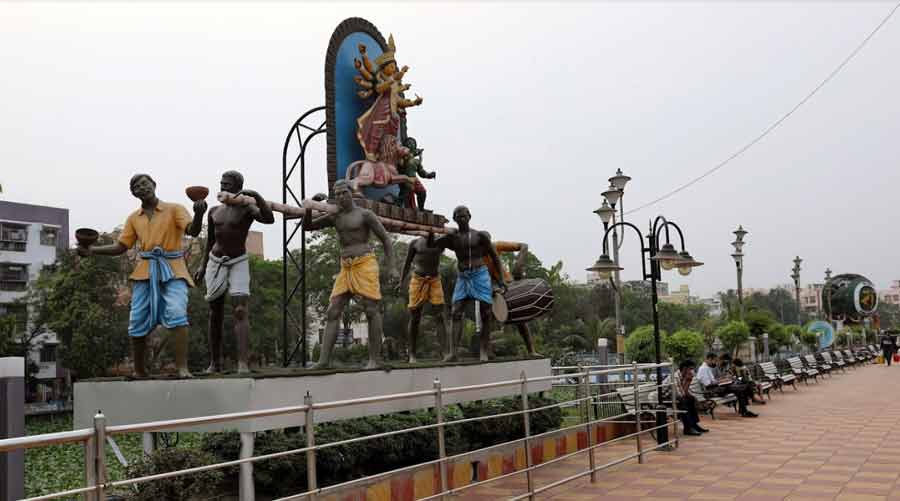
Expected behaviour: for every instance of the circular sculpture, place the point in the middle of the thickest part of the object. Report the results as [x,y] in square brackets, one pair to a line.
[849,297]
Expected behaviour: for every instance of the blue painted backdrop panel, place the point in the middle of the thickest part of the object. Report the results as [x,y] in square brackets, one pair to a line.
[348,107]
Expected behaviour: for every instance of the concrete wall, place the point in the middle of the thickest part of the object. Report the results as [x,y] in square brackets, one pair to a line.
[127,402]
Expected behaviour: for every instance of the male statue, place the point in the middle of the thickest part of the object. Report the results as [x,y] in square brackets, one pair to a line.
[226,268]
[473,282]
[160,281]
[413,195]
[424,287]
[359,269]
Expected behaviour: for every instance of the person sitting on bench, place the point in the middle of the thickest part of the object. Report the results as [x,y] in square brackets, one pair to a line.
[725,384]
[690,418]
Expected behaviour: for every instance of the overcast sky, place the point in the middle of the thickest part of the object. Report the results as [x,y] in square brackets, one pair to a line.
[528,109]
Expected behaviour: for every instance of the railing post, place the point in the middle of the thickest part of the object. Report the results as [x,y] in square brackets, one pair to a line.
[90,467]
[310,426]
[674,398]
[245,482]
[527,421]
[637,411]
[442,445]
[589,403]
[100,458]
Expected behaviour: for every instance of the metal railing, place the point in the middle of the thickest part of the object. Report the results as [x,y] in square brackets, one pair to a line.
[595,408]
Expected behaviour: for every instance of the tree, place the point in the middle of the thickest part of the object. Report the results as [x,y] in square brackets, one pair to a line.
[733,335]
[779,337]
[779,302]
[684,345]
[80,300]
[809,340]
[640,345]
[758,321]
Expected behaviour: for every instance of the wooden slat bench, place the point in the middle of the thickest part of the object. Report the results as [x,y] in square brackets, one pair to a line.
[802,372]
[707,402]
[648,402]
[833,361]
[812,363]
[770,371]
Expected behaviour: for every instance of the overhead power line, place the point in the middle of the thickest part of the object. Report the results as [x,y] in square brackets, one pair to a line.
[776,123]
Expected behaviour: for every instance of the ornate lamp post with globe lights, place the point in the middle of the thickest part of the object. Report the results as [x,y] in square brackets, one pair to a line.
[739,263]
[796,276]
[613,197]
[660,257]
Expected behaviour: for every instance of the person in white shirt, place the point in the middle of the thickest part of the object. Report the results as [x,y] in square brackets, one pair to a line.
[706,373]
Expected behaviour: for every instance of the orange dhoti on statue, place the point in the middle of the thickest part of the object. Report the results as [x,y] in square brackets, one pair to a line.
[358,276]
[422,289]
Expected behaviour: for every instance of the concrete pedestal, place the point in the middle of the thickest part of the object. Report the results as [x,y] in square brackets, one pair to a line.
[12,424]
[127,402]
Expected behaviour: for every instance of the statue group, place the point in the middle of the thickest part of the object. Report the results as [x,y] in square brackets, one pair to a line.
[160,283]
[382,154]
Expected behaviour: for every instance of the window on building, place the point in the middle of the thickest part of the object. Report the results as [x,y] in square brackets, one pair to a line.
[49,235]
[13,237]
[48,353]
[13,277]
[19,312]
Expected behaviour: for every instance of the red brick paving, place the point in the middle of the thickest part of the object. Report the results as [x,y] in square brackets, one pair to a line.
[830,440]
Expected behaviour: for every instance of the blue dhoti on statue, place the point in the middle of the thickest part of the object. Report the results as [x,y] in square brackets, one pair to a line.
[474,284]
[162,299]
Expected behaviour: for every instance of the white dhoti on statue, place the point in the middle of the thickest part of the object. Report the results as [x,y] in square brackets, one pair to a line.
[224,274]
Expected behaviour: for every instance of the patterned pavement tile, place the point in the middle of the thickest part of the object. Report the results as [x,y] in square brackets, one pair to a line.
[826,441]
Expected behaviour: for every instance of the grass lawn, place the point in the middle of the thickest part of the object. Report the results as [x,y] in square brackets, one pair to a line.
[61,467]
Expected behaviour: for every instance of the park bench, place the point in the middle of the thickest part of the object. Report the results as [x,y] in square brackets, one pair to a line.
[802,372]
[707,401]
[812,363]
[850,357]
[764,388]
[648,403]
[770,372]
[867,355]
[839,360]
[833,362]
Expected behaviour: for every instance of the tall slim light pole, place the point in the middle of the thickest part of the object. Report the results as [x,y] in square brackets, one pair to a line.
[612,198]
[796,276]
[739,264]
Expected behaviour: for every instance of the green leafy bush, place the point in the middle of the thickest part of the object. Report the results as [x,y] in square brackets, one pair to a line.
[640,345]
[684,345]
[733,334]
[287,474]
[179,488]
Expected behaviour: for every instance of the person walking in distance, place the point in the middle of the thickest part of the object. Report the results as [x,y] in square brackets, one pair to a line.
[888,348]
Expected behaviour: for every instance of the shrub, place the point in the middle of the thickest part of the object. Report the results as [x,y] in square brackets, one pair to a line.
[640,345]
[180,488]
[733,334]
[684,345]
[287,474]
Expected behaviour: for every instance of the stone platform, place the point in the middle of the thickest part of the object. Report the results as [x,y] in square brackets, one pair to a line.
[135,401]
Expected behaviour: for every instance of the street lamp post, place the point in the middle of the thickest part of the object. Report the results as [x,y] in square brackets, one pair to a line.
[612,197]
[660,257]
[796,276]
[739,264]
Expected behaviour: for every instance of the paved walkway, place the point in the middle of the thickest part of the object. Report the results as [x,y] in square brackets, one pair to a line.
[834,440]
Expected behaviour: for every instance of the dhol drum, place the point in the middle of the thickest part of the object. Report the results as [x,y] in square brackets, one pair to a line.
[524,300]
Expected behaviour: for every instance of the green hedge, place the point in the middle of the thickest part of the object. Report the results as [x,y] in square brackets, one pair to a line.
[287,474]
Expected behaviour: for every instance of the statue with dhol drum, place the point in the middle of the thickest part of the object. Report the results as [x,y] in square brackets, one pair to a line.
[374,172]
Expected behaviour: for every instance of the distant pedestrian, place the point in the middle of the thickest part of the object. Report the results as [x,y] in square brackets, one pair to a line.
[888,348]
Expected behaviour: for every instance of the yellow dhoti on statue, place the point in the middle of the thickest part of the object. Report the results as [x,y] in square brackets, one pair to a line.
[423,289]
[358,276]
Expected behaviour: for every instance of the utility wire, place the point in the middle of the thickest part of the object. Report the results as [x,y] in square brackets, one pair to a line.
[775,124]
